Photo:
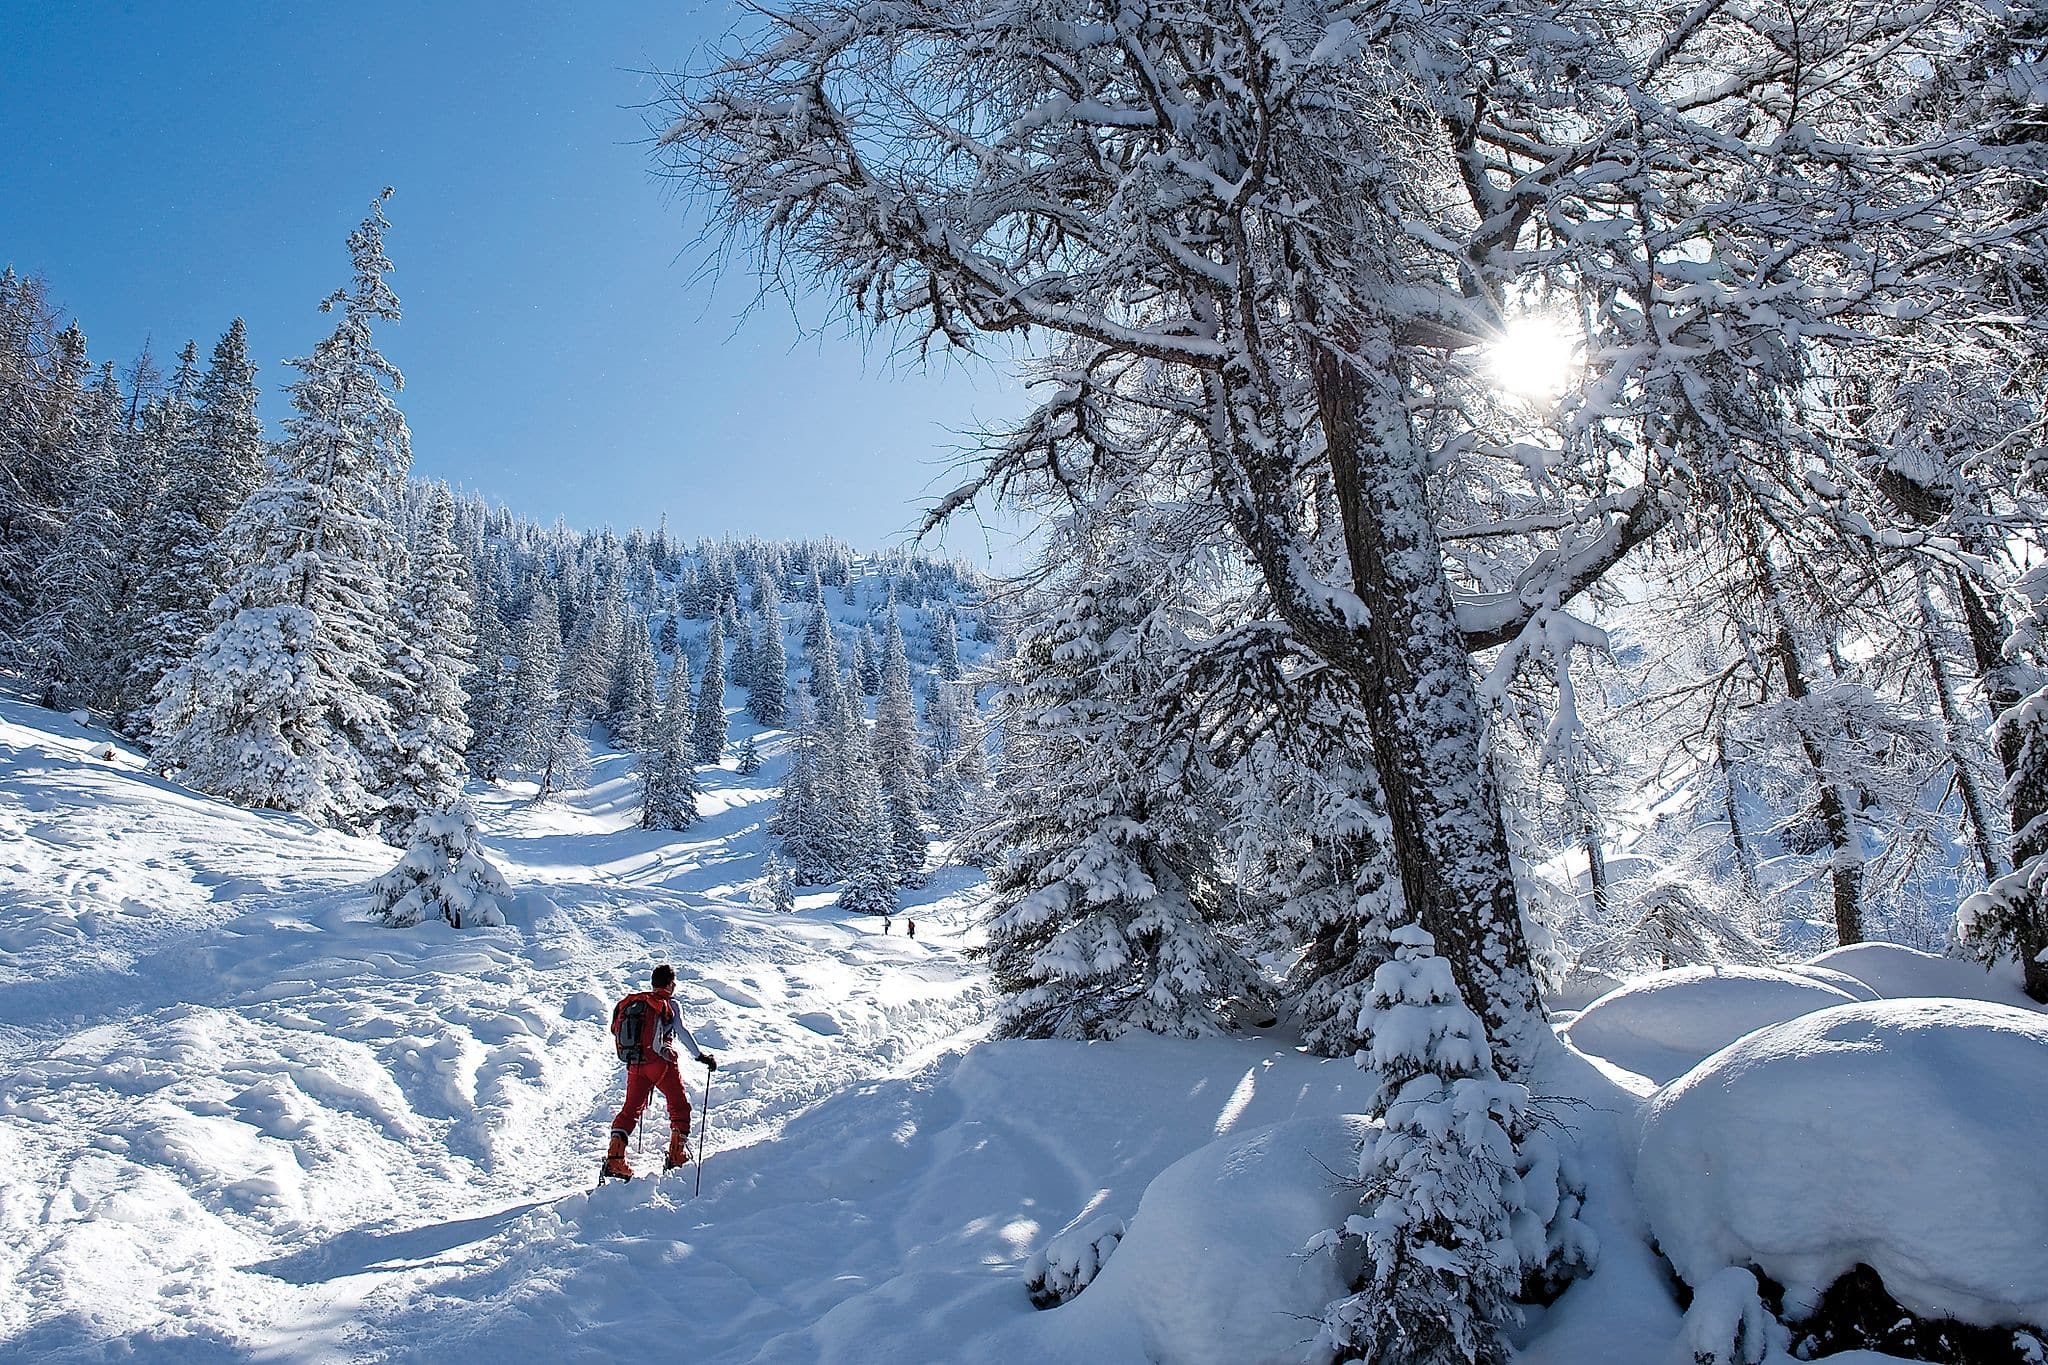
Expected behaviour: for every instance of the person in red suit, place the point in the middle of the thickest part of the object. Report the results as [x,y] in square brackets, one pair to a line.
[647,1026]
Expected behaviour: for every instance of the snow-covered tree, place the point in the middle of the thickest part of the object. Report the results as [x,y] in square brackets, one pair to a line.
[1287,246]
[429,652]
[668,770]
[708,728]
[68,648]
[444,875]
[945,643]
[1097,846]
[42,377]
[899,756]
[2009,918]
[213,461]
[749,757]
[768,693]
[630,707]
[869,860]
[281,706]
[777,885]
[1465,1198]
[803,815]
[536,685]
[490,687]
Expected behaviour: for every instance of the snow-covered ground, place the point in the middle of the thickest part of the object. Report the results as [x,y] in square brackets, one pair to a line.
[239,1121]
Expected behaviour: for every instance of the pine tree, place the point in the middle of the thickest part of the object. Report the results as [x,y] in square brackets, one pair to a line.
[68,648]
[213,461]
[945,641]
[899,757]
[707,735]
[428,655]
[667,770]
[536,690]
[749,757]
[444,875]
[280,707]
[818,627]
[778,884]
[594,656]
[801,812]
[630,708]
[1464,1198]
[42,379]
[1100,848]
[864,669]
[869,861]
[768,694]
[490,686]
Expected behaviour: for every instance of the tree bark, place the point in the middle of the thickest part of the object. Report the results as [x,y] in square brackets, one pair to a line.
[1745,857]
[1846,865]
[1954,726]
[1422,705]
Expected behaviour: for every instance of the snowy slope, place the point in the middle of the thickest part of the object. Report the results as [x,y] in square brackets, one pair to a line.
[224,1090]
[239,1122]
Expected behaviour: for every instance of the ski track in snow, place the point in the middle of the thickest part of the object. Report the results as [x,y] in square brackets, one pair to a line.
[240,1121]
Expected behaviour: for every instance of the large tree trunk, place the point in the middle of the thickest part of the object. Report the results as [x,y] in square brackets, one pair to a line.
[1422,706]
[1846,863]
[1954,725]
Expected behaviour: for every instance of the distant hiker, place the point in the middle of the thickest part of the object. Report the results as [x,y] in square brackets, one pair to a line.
[885,924]
[646,1026]
[910,927]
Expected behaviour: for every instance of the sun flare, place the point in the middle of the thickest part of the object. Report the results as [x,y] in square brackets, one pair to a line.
[1534,357]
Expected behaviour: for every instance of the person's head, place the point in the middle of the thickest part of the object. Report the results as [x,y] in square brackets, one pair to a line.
[664,977]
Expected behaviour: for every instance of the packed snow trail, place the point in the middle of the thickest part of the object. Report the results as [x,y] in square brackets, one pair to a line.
[214,1064]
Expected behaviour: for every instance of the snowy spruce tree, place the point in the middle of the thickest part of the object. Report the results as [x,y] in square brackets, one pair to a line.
[899,756]
[1466,1201]
[708,727]
[68,648]
[428,653]
[282,705]
[768,692]
[803,812]
[444,875]
[668,769]
[868,860]
[630,706]
[213,461]
[1102,872]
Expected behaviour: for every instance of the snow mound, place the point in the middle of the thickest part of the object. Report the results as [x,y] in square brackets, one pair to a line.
[1661,1026]
[1899,973]
[1211,1271]
[1901,1134]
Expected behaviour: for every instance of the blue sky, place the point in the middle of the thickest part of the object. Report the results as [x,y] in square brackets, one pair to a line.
[168,167]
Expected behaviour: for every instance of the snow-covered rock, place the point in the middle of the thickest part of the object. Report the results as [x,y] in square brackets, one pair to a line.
[1903,1134]
[1662,1025]
[1211,1271]
[1898,973]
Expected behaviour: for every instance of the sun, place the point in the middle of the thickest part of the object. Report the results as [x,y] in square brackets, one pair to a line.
[1534,356]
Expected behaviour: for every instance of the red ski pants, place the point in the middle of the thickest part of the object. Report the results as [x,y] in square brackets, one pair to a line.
[642,1080]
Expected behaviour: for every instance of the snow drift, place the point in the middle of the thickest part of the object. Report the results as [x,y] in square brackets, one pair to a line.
[1662,1025]
[1212,1270]
[1904,1135]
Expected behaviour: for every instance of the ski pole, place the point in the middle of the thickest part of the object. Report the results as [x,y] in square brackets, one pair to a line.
[703,1131]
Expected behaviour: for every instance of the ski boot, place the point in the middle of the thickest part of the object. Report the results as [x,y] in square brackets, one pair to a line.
[678,1149]
[614,1166]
